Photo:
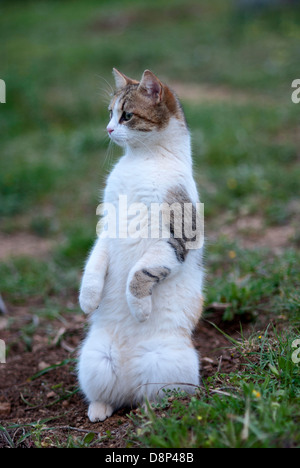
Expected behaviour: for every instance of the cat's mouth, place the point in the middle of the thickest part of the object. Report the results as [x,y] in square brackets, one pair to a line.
[118,139]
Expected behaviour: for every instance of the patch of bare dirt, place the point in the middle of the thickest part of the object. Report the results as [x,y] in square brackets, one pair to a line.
[197,93]
[286,135]
[23,243]
[251,233]
[40,384]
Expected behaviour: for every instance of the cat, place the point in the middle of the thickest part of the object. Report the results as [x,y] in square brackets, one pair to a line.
[144,294]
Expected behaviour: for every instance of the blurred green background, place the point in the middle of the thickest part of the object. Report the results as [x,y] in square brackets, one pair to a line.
[232,64]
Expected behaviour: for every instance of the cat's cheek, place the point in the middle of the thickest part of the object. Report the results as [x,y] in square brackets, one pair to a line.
[118,140]
[140,308]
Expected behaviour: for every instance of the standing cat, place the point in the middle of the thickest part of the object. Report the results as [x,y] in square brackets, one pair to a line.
[145,293]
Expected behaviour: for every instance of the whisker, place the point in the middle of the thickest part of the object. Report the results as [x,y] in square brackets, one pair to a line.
[105,95]
[109,153]
[109,85]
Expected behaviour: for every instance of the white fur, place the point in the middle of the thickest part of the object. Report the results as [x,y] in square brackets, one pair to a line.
[137,346]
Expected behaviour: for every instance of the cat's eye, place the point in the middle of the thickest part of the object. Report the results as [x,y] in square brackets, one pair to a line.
[126,116]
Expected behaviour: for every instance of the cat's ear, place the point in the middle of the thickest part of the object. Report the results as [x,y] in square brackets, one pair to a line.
[122,80]
[152,86]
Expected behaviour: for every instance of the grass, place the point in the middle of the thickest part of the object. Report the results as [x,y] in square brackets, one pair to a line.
[54,162]
[253,283]
[256,408]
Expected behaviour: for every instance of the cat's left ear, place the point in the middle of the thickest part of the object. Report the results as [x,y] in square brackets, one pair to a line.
[152,86]
[122,80]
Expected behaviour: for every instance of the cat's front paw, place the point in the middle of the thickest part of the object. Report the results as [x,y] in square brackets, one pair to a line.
[90,294]
[140,308]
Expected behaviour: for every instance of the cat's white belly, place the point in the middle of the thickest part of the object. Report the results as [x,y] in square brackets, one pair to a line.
[176,302]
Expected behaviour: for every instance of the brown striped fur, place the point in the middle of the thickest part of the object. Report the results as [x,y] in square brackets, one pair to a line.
[178,198]
[144,280]
[151,102]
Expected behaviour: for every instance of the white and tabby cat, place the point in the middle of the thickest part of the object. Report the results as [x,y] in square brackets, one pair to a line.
[145,293]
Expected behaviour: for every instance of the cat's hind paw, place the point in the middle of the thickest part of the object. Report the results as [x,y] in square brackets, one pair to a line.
[99,411]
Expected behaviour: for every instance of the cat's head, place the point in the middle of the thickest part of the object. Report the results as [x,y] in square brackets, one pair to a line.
[140,111]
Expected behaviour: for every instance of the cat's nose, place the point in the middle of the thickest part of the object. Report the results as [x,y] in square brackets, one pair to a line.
[110,130]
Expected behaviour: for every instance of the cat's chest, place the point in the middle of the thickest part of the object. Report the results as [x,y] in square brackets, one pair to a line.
[139,183]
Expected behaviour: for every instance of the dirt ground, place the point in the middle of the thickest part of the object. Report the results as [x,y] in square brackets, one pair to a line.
[28,396]
[40,385]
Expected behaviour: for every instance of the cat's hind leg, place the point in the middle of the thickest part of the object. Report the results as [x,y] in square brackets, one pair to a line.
[97,373]
[159,366]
